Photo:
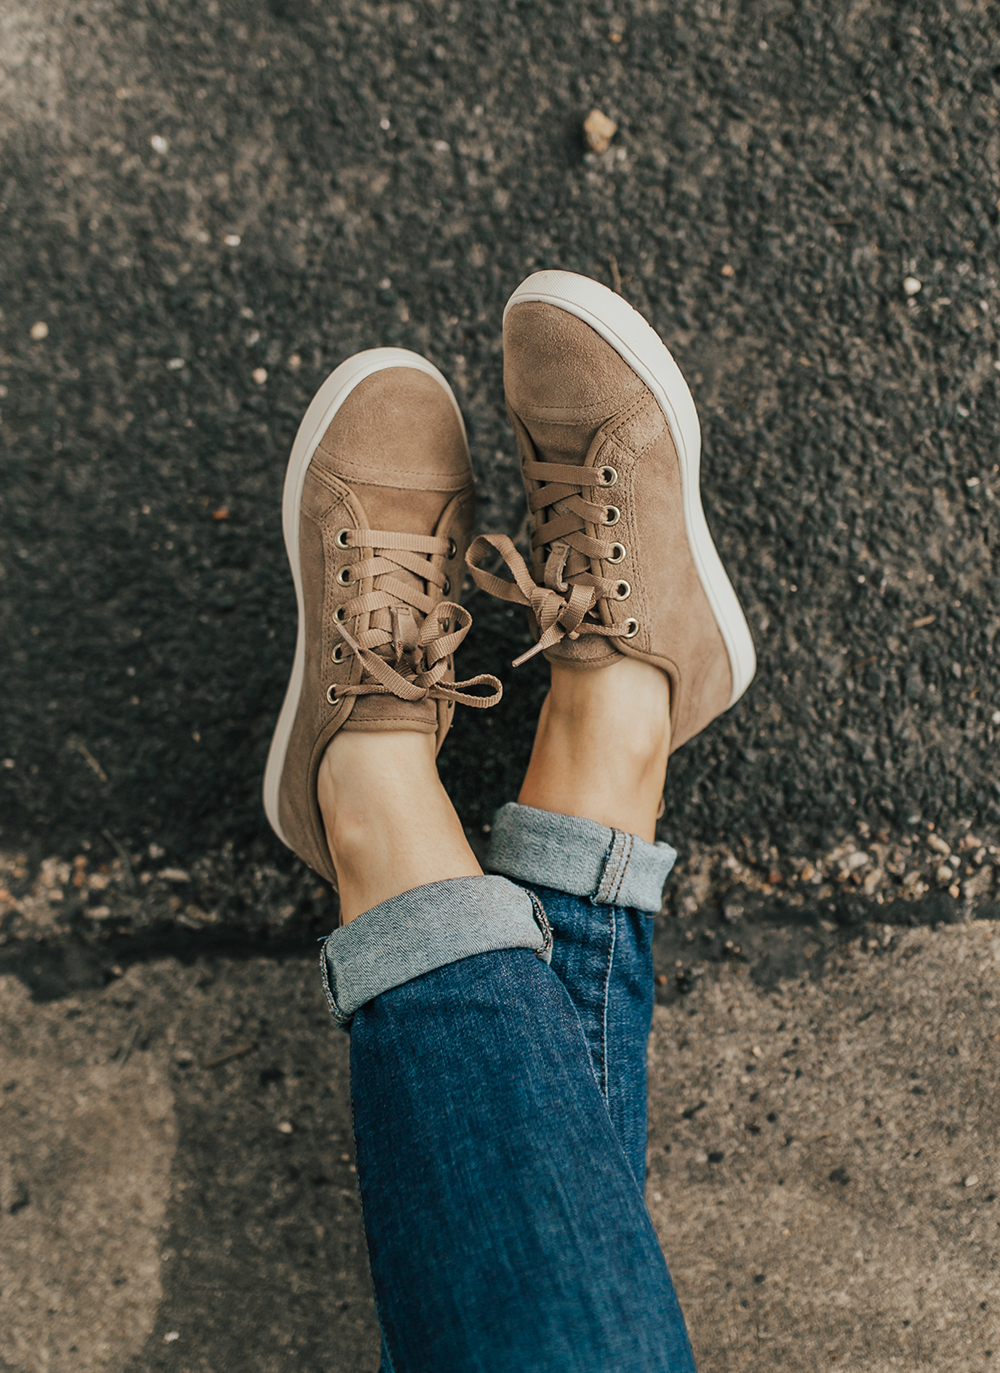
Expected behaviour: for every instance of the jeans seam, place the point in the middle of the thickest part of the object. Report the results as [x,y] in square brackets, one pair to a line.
[544,954]
[623,868]
[605,1090]
[324,971]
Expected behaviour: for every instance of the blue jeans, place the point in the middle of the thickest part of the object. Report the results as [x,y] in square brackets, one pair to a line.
[498,1071]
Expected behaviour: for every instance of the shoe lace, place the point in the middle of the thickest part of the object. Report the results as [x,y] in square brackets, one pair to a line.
[572,596]
[408,657]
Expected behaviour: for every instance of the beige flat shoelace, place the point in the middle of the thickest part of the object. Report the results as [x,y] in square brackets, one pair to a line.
[566,605]
[423,633]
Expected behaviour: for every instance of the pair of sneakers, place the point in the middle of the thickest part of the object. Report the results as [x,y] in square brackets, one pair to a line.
[378,514]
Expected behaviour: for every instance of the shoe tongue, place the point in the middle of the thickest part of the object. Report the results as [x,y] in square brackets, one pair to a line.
[559,441]
[569,442]
[372,714]
[418,513]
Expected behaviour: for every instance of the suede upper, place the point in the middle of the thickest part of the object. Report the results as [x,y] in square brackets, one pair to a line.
[573,399]
[394,458]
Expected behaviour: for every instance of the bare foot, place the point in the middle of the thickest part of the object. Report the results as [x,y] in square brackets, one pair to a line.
[601,747]
[388,820]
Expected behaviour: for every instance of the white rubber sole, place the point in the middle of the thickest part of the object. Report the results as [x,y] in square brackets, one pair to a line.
[644,351]
[316,421]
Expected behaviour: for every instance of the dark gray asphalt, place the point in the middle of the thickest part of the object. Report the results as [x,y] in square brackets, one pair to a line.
[391,172]
[191,190]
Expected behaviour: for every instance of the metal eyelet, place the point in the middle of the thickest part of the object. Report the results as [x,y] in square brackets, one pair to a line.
[452,550]
[607,476]
[622,591]
[631,628]
[331,694]
[617,554]
[611,514]
[338,653]
[340,538]
[344,576]
[447,586]
[340,614]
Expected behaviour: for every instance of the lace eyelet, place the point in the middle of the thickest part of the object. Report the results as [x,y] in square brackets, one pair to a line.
[340,538]
[452,550]
[340,614]
[344,576]
[447,586]
[331,694]
[631,628]
[617,554]
[622,591]
[338,653]
[607,476]
[611,514]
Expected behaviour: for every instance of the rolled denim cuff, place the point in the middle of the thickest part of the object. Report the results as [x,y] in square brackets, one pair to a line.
[579,856]
[425,929]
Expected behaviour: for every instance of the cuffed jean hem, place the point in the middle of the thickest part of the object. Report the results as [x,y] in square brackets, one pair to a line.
[579,856]
[424,929]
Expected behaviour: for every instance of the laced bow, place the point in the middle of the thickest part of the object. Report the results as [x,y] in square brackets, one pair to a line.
[566,604]
[416,634]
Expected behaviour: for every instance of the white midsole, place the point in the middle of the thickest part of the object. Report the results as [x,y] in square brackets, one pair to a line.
[644,351]
[316,421]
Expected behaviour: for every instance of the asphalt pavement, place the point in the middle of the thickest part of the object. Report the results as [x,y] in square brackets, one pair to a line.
[204,207]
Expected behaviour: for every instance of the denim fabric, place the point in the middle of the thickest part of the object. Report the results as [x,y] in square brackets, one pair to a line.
[578,856]
[604,957]
[500,1110]
[506,1230]
[423,929]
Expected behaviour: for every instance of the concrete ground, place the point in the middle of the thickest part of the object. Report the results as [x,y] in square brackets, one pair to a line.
[203,208]
[178,1190]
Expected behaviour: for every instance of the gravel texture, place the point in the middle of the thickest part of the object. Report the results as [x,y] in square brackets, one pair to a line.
[825,157]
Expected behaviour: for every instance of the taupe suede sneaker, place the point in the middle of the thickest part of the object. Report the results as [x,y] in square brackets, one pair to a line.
[377,513]
[622,562]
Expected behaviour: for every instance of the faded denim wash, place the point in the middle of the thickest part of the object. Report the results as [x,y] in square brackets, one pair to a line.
[500,1117]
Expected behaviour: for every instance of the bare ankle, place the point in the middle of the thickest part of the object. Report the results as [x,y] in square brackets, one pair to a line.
[389,824]
[602,746]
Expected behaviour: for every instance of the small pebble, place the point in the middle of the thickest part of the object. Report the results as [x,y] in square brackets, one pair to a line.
[972,1180]
[944,874]
[383,124]
[939,845]
[599,130]
[170,1336]
[995,717]
[260,375]
[158,143]
[175,364]
[285,1127]
[295,362]
[39,331]
[729,270]
[911,286]
[232,240]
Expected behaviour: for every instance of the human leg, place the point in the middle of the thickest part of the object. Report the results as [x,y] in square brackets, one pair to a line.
[505,1224]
